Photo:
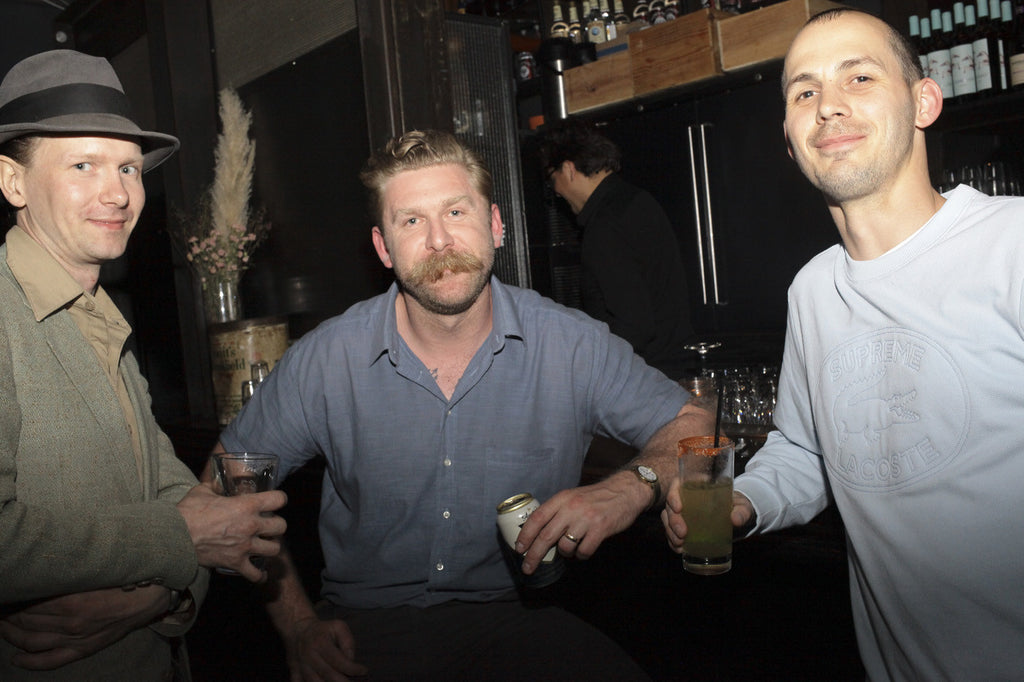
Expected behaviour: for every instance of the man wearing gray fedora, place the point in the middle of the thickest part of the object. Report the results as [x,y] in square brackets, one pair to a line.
[104,533]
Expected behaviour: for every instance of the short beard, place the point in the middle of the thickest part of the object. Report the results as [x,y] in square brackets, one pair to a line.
[417,282]
[850,184]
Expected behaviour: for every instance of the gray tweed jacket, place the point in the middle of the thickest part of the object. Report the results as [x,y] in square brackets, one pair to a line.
[74,515]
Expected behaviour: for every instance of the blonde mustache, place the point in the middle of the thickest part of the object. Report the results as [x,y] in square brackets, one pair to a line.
[434,268]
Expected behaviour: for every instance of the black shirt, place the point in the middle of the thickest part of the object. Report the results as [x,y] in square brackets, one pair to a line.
[633,276]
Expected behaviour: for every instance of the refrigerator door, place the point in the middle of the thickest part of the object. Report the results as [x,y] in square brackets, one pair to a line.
[769,220]
[745,216]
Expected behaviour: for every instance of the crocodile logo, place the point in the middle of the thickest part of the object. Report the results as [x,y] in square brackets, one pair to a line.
[867,414]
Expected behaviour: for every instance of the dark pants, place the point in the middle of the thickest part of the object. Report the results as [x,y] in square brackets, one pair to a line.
[490,641]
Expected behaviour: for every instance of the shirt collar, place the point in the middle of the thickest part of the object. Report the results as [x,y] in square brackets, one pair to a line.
[593,203]
[505,324]
[47,286]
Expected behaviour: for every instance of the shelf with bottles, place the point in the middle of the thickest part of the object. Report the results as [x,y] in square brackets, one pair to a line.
[976,55]
[707,47]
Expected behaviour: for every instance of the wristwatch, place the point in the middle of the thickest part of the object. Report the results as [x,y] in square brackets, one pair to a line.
[650,477]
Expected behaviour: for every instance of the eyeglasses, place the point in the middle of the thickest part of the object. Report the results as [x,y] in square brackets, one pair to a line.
[547,176]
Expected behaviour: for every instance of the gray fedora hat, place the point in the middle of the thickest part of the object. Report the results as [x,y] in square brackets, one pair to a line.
[65,92]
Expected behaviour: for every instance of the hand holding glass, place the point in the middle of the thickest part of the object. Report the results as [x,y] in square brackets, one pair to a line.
[705,477]
[244,473]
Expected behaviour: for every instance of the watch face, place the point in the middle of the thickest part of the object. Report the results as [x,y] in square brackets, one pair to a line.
[647,473]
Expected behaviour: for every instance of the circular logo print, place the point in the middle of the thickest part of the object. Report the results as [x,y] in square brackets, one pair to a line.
[897,406]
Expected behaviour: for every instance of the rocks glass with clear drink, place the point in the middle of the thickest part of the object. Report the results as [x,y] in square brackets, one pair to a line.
[244,473]
[705,477]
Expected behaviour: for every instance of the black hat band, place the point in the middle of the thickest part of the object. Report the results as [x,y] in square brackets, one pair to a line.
[65,100]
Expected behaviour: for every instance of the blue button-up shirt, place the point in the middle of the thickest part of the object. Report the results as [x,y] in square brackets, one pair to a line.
[413,479]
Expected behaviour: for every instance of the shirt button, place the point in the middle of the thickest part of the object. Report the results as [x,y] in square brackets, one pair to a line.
[439,566]
[447,462]
[446,514]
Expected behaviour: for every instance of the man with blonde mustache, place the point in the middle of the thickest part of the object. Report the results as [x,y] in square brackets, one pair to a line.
[434,403]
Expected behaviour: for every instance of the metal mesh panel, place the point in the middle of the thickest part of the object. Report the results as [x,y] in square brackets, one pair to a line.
[484,113]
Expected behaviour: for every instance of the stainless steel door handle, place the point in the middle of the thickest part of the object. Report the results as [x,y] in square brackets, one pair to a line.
[717,297]
[698,211]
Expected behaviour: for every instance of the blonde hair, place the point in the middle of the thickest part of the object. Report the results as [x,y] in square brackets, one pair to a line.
[418,149]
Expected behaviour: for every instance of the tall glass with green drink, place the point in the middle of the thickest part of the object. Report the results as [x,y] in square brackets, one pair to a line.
[705,477]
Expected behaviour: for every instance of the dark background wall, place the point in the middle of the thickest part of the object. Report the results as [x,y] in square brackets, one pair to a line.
[25,28]
[309,122]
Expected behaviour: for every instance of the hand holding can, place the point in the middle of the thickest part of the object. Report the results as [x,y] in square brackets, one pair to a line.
[512,514]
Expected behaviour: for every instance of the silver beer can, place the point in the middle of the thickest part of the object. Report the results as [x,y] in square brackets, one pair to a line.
[512,514]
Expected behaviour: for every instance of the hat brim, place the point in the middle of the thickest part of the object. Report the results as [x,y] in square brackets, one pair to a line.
[156,147]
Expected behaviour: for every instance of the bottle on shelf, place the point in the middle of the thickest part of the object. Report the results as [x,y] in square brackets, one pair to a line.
[575,30]
[1013,45]
[610,27]
[640,10]
[559,28]
[961,52]
[258,371]
[986,50]
[926,44]
[939,59]
[995,13]
[656,12]
[621,18]
[595,24]
[914,33]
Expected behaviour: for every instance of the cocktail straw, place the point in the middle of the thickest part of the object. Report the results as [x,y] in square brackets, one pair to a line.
[719,387]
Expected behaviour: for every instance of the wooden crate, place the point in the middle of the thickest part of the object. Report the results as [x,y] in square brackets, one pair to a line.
[606,81]
[675,52]
[764,34]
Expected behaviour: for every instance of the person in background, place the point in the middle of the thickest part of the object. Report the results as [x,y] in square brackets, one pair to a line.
[432,404]
[633,276]
[900,393]
[103,531]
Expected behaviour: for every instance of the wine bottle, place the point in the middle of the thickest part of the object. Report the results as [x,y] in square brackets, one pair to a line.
[640,10]
[575,30]
[986,52]
[914,33]
[559,29]
[1014,45]
[656,12]
[621,18]
[610,27]
[939,59]
[926,44]
[961,52]
[1001,59]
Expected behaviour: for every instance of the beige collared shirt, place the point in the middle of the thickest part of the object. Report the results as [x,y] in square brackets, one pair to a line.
[49,289]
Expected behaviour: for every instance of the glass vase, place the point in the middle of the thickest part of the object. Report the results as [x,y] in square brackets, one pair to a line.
[221,301]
